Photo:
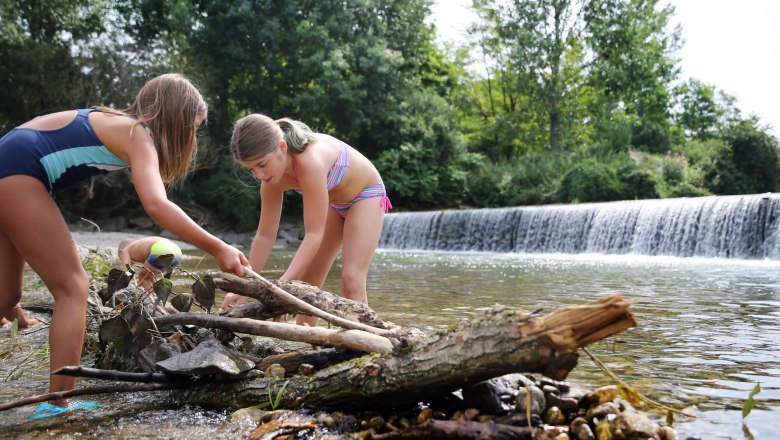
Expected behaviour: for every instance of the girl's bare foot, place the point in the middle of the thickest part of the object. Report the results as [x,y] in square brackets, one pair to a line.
[28,322]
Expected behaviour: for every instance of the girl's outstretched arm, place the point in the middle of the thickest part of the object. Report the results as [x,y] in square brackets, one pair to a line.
[148,184]
[265,237]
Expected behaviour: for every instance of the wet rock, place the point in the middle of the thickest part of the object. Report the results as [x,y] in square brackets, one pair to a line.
[577,394]
[326,419]
[247,416]
[624,405]
[600,395]
[377,423]
[554,416]
[424,416]
[306,369]
[157,351]
[471,413]
[567,404]
[487,396]
[632,425]
[275,370]
[580,430]
[601,411]
[530,398]
[667,433]
[549,389]
[210,357]
[604,429]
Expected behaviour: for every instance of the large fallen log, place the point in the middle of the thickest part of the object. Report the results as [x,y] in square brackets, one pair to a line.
[501,342]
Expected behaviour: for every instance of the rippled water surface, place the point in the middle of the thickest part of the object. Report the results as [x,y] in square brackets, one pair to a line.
[708,331]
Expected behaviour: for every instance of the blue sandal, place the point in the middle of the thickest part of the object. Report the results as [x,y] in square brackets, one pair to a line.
[46,409]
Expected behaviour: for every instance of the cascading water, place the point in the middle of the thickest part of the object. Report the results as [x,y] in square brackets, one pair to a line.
[744,226]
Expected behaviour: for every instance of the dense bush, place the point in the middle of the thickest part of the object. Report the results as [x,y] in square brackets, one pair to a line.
[651,136]
[416,178]
[589,181]
[746,162]
[614,177]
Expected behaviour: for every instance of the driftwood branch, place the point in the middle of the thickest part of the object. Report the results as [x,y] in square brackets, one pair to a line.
[270,304]
[354,339]
[503,341]
[307,309]
[97,373]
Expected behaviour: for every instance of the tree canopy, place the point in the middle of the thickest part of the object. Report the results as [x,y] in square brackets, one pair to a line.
[545,102]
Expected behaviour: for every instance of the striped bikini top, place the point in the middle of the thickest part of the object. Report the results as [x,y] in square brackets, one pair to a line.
[336,172]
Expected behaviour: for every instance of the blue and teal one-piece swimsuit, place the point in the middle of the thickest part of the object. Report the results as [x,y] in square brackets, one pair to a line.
[58,158]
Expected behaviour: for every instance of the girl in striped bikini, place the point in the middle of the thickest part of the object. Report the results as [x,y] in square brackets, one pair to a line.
[344,201]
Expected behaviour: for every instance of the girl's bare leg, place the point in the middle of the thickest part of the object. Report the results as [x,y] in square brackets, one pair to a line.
[316,273]
[11,277]
[54,257]
[362,229]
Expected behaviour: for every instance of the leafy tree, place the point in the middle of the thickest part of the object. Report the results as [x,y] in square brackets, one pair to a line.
[633,64]
[559,65]
[746,163]
[38,71]
[299,59]
[701,110]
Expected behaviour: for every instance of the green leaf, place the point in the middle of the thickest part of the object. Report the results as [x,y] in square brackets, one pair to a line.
[15,329]
[204,290]
[164,260]
[182,302]
[750,403]
[279,395]
[162,288]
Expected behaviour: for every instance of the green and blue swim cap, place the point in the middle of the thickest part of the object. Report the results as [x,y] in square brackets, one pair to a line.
[164,254]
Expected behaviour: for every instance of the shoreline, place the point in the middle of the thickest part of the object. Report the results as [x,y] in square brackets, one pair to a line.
[289,235]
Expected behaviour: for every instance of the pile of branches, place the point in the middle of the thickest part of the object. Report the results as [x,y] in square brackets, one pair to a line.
[153,338]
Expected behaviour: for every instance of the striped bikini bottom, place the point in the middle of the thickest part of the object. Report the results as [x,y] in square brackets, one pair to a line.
[377,190]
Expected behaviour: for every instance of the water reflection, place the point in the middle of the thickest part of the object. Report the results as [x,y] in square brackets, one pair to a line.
[708,328]
[708,331]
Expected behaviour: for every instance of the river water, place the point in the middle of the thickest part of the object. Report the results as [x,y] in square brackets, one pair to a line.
[708,331]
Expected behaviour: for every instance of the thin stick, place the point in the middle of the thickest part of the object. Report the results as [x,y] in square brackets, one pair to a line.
[103,389]
[96,373]
[313,311]
[629,388]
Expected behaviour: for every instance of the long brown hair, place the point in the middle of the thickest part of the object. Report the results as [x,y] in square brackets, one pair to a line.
[169,105]
[256,135]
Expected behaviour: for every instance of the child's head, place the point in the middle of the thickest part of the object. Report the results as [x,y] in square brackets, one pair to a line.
[172,107]
[164,254]
[125,243]
[257,135]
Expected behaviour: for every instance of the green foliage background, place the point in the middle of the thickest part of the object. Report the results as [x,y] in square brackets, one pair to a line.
[545,102]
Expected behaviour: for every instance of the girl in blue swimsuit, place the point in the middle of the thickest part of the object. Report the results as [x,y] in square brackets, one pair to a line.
[344,201]
[155,137]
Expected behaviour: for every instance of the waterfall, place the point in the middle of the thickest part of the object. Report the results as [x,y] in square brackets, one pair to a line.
[743,226]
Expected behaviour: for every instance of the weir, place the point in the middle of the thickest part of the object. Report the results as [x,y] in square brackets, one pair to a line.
[742,226]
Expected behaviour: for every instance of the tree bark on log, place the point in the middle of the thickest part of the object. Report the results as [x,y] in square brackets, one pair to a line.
[501,342]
